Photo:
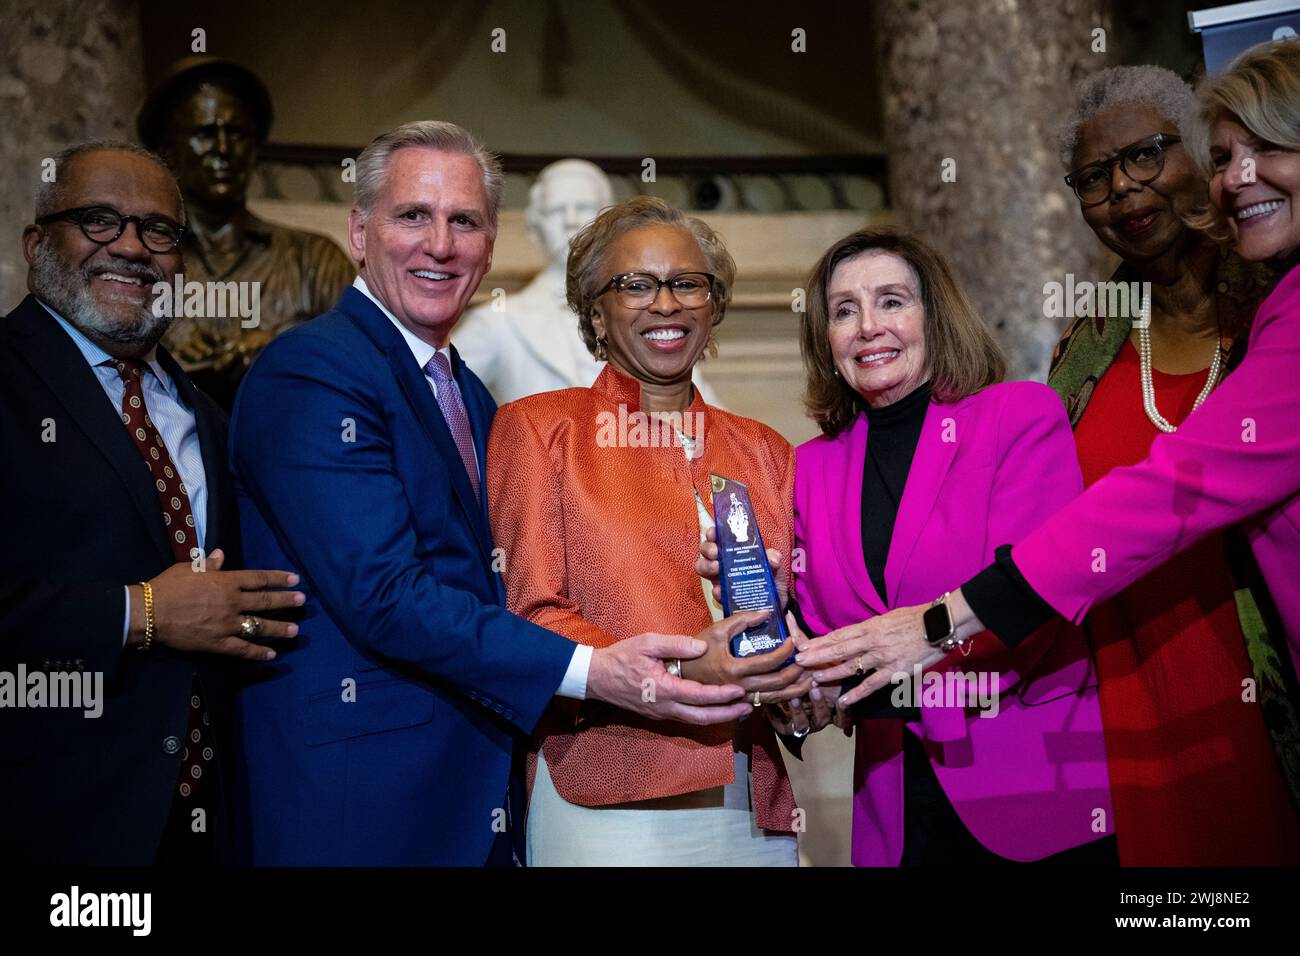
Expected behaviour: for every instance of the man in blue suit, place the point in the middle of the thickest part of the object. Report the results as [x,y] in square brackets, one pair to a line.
[391,733]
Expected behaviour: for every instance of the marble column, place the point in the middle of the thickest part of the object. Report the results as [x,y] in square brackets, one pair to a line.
[973,94]
[69,71]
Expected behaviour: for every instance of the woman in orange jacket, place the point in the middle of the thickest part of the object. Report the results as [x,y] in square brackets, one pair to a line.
[599,496]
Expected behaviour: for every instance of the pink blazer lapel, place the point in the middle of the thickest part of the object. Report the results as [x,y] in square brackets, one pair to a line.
[934,454]
[844,471]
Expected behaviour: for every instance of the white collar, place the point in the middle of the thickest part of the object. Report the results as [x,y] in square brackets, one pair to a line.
[421,349]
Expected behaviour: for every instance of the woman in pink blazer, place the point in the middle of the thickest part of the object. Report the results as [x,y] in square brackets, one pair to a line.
[925,464]
[1235,460]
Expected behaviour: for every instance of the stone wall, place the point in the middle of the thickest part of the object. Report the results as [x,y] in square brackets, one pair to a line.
[984,84]
[69,71]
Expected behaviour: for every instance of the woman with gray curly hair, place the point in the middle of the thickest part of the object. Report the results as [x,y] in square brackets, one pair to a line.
[1194,774]
[599,499]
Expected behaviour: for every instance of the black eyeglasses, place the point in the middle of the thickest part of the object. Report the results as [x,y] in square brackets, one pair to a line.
[1142,162]
[636,290]
[104,224]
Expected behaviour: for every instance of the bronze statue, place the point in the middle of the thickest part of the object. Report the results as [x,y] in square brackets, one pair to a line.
[208,118]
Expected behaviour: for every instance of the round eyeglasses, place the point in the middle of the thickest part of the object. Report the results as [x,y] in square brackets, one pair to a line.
[637,290]
[1142,162]
[104,224]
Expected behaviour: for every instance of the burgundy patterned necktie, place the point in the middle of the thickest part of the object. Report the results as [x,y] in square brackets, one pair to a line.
[174,500]
[453,410]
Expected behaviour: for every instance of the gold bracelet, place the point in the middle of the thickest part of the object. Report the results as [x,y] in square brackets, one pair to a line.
[148,616]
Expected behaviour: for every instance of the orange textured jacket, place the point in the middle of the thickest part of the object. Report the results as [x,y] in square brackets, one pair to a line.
[600,532]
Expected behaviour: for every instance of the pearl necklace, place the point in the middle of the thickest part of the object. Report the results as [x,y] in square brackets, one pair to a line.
[1148,388]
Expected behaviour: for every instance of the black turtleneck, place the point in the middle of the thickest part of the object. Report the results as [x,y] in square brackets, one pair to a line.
[892,435]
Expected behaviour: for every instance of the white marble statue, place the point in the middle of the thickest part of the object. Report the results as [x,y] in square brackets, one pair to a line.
[532,344]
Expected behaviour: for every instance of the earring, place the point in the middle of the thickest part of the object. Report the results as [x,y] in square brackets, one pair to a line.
[602,348]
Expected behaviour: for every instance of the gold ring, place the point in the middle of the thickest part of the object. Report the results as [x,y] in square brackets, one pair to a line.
[861,667]
[757,701]
[250,627]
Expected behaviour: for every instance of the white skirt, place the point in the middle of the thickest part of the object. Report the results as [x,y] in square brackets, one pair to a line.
[565,834]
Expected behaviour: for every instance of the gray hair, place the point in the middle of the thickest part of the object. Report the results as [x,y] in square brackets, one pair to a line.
[49,195]
[372,164]
[1152,85]
[587,254]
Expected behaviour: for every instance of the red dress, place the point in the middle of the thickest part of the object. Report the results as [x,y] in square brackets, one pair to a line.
[1192,770]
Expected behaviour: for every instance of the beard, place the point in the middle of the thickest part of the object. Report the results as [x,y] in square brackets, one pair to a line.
[67,290]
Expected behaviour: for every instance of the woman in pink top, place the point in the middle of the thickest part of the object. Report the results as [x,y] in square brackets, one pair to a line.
[926,462]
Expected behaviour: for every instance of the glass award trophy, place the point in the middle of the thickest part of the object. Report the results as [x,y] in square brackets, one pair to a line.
[745,576]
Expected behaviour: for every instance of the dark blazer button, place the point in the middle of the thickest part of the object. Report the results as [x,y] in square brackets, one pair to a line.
[171,745]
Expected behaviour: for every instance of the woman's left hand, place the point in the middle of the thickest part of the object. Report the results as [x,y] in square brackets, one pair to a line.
[881,647]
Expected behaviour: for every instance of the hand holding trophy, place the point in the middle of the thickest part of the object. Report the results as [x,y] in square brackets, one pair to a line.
[746,576]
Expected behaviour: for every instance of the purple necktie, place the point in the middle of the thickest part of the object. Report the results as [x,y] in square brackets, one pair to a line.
[453,410]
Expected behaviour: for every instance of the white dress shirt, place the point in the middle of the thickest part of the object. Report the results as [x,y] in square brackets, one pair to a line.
[574,683]
[172,417]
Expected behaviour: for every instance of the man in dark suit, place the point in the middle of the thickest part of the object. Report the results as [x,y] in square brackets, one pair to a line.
[118,520]
[391,735]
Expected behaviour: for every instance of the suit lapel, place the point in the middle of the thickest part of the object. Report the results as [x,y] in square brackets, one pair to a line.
[935,451]
[54,357]
[410,378]
[844,471]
